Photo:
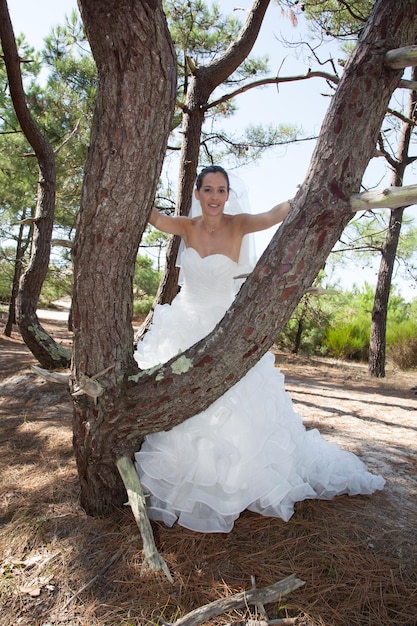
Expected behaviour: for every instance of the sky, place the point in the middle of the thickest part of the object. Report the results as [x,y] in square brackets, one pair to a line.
[278,174]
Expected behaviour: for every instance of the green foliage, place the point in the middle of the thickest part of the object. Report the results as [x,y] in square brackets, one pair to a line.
[349,340]
[62,106]
[349,332]
[305,331]
[402,344]
[145,285]
[336,18]
[57,285]
[6,277]
[338,324]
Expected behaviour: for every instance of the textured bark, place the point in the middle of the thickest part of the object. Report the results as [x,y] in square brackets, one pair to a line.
[137,78]
[41,344]
[377,343]
[21,246]
[136,404]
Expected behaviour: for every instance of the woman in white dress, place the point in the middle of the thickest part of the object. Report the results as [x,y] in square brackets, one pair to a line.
[249,449]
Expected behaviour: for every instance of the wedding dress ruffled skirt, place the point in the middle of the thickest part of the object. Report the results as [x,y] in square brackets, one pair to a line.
[249,449]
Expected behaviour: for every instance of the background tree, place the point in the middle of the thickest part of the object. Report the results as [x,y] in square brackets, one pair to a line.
[377,344]
[200,81]
[39,341]
[344,20]
[17,182]
[63,110]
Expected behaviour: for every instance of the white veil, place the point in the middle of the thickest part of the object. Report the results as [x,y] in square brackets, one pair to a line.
[237,203]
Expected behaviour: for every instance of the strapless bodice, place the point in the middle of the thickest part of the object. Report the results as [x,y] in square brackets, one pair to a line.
[207,291]
[208,280]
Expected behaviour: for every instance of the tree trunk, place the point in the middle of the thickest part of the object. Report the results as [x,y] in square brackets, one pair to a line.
[377,343]
[18,268]
[131,43]
[137,78]
[42,346]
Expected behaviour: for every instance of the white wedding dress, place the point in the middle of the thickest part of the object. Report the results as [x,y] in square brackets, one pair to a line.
[249,449]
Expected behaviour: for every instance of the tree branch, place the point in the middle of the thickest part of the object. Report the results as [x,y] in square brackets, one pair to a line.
[401,57]
[272,81]
[388,198]
[64,243]
[266,595]
[152,558]
[220,69]
[408,84]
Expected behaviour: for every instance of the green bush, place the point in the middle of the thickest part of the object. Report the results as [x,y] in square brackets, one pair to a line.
[142,307]
[402,344]
[145,285]
[349,340]
[6,277]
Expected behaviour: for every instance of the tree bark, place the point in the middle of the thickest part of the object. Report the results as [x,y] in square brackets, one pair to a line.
[377,343]
[137,78]
[21,246]
[43,347]
[136,403]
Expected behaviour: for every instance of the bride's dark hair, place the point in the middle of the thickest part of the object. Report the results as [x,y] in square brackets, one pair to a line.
[211,169]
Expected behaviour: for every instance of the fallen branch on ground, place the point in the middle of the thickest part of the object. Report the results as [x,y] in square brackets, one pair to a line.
[264,595]
[152,558]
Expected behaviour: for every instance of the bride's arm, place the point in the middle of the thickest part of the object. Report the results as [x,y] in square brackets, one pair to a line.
[253,223]
[175,225]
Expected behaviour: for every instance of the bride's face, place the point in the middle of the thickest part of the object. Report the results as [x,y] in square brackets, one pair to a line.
[213,193]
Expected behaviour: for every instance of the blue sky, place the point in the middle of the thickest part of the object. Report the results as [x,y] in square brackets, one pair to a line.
[276,176]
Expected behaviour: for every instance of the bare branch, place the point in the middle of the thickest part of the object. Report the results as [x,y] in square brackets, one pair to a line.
[408,84]
[265,595]
[64,243]
[273,81]
[28,221]
[401,58]
[72,133]
[400,116]
[388,198]
[152,558]
[54,377]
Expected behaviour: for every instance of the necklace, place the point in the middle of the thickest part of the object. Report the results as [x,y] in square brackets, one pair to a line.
[211,230]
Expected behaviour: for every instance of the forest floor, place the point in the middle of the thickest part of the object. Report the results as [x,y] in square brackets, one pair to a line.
[357,555]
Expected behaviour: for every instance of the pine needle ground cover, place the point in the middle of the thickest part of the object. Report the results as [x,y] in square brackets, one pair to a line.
[357,556]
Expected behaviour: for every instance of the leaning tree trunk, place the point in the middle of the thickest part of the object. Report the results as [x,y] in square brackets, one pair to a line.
[377,343]
[132,122]
[43,347]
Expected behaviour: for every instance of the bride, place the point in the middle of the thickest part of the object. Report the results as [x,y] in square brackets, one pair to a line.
[249,449]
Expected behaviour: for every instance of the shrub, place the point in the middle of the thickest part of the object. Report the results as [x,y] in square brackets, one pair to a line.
[402,344]
[349,340]
[142,307]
